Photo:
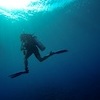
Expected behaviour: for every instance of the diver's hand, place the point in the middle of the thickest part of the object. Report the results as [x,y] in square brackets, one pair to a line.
[22,49]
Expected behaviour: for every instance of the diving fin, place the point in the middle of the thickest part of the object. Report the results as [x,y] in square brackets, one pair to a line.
[60,51]
[18,74]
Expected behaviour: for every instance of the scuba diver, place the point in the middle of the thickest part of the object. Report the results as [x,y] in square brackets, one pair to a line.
[31,45]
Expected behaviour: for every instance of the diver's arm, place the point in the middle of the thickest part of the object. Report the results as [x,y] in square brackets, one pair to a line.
[23,46]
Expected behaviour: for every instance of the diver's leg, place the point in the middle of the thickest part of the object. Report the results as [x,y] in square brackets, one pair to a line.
[26,64]
[38,56]
[27,55]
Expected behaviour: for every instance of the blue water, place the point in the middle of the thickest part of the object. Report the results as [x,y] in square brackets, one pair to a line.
[70,76]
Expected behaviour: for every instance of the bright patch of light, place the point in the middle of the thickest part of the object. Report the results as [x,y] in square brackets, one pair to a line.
[21,8]
[14,4]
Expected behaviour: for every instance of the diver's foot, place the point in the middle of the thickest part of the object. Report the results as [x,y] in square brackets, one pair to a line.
[27,71]
[52,53]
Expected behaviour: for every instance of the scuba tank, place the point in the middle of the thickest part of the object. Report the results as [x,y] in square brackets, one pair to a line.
[39,44]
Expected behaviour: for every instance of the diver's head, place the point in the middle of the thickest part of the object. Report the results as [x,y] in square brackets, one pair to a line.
[25,37]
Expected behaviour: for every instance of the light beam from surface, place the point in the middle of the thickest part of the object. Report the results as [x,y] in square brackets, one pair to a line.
[21,8]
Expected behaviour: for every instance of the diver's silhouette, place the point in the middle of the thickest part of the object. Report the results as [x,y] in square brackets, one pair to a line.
[30,45]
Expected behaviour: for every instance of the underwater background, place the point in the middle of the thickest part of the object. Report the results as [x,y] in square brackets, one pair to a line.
[74,75]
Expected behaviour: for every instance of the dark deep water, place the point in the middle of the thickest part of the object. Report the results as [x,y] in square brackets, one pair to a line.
[70,76]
